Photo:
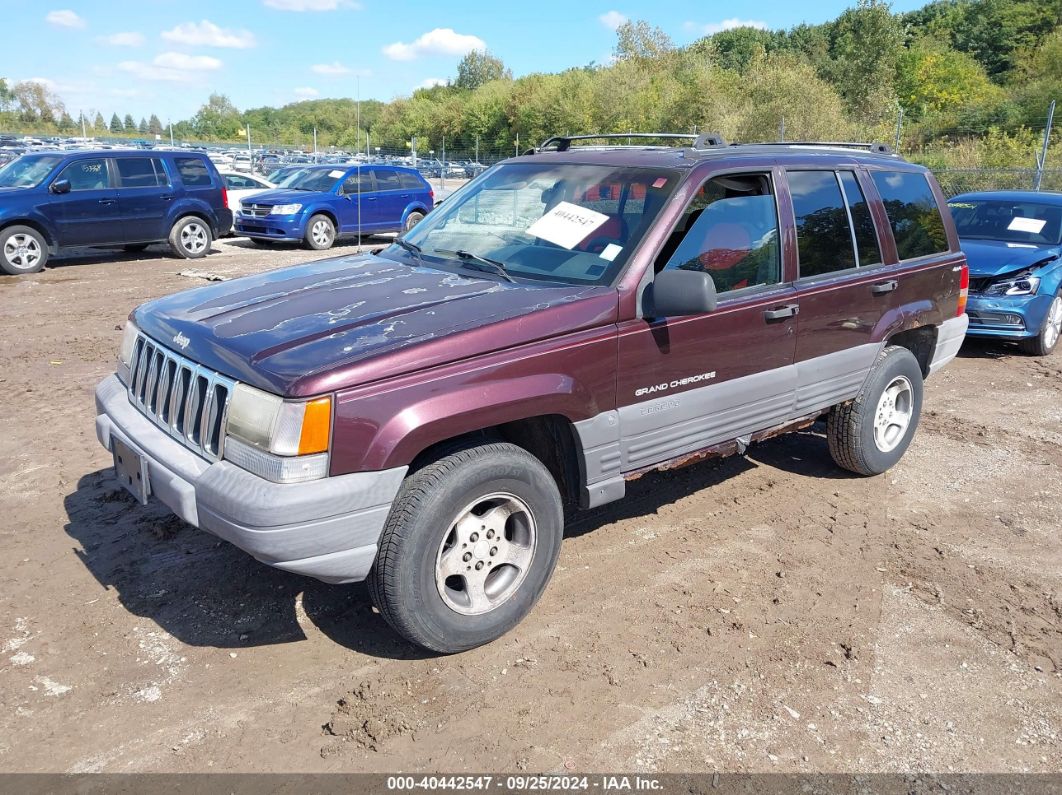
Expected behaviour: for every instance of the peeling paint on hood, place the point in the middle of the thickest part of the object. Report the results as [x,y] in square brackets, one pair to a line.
[281,330]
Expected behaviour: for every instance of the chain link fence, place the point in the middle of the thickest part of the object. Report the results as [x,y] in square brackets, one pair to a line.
[954,181]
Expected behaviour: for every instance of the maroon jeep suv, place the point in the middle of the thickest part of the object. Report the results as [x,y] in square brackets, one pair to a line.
[421,416]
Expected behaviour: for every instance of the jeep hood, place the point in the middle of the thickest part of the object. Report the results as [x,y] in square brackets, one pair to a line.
[988,258]
[335,323]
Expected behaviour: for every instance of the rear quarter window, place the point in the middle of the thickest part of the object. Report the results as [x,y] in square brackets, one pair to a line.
[913,213]
[194,172]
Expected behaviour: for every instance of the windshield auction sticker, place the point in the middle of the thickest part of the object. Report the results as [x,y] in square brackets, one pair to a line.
[1031,225]
[567,224]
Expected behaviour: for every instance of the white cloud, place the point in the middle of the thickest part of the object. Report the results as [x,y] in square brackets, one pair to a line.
[65,19]
[174,67]
[334,69]
[306,92]
[311,5]
[613,20]
[123,40]
[441,41]
[727,24]
[431,82]
[207,34]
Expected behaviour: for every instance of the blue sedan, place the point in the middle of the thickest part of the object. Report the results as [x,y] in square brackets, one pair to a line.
[1013,242]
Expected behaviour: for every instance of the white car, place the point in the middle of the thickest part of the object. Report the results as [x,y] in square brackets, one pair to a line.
[240,186]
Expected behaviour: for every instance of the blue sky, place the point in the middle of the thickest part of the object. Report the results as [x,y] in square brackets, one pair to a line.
[166,57]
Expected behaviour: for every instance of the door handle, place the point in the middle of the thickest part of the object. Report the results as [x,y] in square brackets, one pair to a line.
[108,201]
[881,288]
[370,198]
[781,312]
[167,197]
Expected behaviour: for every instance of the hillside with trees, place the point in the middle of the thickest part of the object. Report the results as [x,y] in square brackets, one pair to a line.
[967,82]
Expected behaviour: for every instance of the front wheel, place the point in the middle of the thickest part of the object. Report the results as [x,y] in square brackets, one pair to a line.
[471,541]
[870,434]
[190,237]
[22,250]
[320,233]
[1046,341]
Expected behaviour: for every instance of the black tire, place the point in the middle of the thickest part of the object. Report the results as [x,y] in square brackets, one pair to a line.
[403,582]
[413,219]
[850,427]
[22,250]
[320,233]
[1046,340]
[134,248]
[190,237]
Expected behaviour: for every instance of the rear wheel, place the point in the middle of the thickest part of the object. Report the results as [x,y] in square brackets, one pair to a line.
[870,434]
[1046,341]
[320,233]
[471,541]
[190,237]
[413,219]
[22,250]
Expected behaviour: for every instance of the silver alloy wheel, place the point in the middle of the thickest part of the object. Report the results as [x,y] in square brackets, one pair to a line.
[194,237]
[486,553]
[1053,324]
[22,252]
[321,233]
[893,414]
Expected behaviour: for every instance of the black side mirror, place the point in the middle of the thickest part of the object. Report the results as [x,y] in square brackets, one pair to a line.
[60,186]
[677,293]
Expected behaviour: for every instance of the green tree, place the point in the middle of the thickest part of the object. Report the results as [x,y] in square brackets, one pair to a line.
[98,124]
[934,79]
[37,103]
[154,125]
[866,43]
[478,68]
[142,128]
[7,96]
[116,124]
[129,123]
[66,123]
[736,48]
[218,119]
[638,40]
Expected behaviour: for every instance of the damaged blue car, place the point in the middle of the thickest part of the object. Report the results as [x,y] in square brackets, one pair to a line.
[1013,243]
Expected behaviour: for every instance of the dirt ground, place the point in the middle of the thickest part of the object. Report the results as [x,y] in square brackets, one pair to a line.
[765,613]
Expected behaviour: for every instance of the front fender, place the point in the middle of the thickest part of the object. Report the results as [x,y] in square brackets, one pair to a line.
[33,217]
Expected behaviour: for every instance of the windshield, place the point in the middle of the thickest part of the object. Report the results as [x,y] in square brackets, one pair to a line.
[552,222]
[321,179]
[28,171]
[1026,223]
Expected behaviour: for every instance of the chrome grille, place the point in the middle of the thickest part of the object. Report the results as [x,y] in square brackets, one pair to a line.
[257,210]
[188,401]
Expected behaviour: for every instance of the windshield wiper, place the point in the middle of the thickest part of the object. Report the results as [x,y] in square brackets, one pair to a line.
[484,264]
[412,248]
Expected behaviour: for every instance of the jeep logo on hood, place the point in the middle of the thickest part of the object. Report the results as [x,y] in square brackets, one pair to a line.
[180,340]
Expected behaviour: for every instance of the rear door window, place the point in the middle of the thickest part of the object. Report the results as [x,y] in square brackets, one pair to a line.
[824,236]
[194,172]
[913,213]
[411,181]
[868,250]
[386,179]
[87,174]
[141,172]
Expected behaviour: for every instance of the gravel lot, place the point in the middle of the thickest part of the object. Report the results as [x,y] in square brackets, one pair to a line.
[765,613]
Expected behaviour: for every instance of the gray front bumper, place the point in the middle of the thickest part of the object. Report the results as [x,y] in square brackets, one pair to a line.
[326,528]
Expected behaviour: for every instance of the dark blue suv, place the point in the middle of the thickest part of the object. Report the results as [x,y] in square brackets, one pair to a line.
[318,204]
[50,200]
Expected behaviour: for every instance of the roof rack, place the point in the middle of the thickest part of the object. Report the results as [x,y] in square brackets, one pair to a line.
[562,143]
[876,147]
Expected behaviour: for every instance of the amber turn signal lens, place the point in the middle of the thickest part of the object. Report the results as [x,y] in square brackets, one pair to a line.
[316,426]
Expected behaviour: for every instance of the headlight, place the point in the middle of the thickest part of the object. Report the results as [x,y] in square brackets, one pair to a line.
[285,441]
[1022,284]
[125,353]
[285,209]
